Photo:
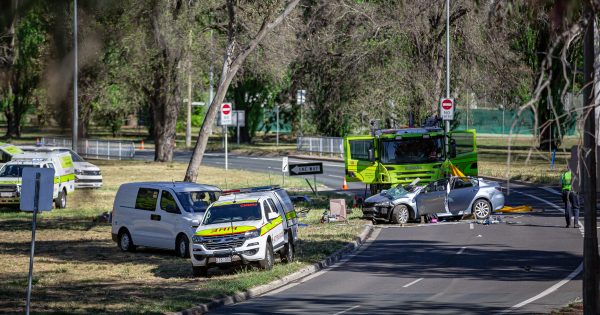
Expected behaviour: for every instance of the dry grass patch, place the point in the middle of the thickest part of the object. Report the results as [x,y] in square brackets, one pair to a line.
[79,269]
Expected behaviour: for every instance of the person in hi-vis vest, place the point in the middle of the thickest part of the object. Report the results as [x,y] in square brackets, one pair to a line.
[570,198]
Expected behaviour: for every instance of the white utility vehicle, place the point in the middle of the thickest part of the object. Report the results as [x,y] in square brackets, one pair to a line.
[11,173]
[160,214]
[244,228]
[87,175]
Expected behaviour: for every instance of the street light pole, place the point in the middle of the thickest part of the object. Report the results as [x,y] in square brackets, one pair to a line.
[447,122]
[75,70]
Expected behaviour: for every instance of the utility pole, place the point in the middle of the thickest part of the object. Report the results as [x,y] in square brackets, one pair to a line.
[75,70]
[447,122]
[588,174]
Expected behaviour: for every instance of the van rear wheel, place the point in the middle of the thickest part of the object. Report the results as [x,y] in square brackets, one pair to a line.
[125,241]
[61,201]
[287,254]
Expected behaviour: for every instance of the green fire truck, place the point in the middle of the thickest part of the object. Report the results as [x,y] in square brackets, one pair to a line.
[399,156]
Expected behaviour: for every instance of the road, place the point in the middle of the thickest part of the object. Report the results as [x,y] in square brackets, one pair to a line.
[447,268]
[527,264]
[333,175]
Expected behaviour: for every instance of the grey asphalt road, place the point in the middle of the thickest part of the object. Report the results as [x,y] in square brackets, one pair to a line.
[333,175]
[524,265]
[527,264]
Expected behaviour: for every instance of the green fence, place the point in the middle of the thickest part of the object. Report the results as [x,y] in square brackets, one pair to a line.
[496,121]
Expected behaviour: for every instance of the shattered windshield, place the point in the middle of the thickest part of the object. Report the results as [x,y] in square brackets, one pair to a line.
[396,192]
[412,150]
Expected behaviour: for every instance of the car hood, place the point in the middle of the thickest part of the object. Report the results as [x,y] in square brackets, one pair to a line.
[228,228]
[384,197]
[85,166]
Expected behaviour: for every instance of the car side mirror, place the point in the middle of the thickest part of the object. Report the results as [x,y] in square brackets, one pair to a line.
[452,148]
[272,216]
[371,155]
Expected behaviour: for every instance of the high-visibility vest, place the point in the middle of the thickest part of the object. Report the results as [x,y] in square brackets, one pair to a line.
[566,180]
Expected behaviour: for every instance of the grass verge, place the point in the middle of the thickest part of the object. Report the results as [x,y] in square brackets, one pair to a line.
[78,269]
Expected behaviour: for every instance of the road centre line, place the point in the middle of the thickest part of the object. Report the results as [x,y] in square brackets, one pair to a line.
[556,286]
[462,249]
[336,176]
[347,310]
[409,284]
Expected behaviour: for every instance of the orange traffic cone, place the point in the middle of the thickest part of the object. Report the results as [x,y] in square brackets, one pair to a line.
[142,146]
[345,185]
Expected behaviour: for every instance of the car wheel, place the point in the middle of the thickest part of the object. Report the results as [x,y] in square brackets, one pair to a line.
[61,201]
[287,254]
[125,241]
[400,215]
[200,271]
[481,209]
[267,262]
[182,246]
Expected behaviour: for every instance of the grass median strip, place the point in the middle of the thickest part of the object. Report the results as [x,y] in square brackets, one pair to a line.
[79,269]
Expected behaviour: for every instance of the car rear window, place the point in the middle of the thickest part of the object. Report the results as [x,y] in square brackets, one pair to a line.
[146,199]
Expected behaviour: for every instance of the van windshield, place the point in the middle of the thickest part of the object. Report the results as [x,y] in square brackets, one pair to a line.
[12,170]
[246,211]
[196,201]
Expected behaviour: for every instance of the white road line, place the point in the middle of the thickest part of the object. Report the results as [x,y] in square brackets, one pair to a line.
[409,284]
[547,291]
[347,310]
[462,249]
[336,176]
[556,286]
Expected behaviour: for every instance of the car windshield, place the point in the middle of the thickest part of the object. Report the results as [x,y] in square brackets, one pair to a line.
[14,170]
[245,211]
[196,201]
[75,157]
[396,192]
[412,150]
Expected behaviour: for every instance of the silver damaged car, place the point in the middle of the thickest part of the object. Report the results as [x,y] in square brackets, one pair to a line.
[446,197]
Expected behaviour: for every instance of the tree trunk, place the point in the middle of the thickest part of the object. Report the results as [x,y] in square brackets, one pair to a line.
[165,112]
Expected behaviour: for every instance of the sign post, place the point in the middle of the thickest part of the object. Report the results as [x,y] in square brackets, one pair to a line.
[225,122]
[307,169]
[36,195]
[284,169]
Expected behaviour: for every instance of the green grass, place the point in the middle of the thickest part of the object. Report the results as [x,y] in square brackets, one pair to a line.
[79,269]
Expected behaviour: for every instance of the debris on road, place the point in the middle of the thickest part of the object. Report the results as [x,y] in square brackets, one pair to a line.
[517,209]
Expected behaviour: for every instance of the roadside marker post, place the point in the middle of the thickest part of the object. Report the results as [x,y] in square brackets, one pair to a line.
[36,195]
[284,169]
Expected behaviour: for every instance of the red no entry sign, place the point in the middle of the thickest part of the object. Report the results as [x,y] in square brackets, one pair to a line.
[226,109]
[447,104]
[447,109]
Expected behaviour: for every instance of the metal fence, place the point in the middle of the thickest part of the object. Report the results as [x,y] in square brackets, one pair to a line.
[96,149]
[331,145]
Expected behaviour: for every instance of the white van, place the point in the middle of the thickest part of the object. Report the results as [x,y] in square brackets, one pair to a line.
[160,214]
[11,173]
[87,175]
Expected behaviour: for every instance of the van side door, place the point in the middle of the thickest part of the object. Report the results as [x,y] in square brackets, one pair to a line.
[170,219]
[145,217]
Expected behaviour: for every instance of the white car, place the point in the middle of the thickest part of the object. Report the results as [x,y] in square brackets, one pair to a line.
[87,175]
[245,228]
[160,214]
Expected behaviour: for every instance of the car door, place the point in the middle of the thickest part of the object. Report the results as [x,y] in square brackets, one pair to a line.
[278,230]
[170,217]
[432,199]
[461,195]
[145,217]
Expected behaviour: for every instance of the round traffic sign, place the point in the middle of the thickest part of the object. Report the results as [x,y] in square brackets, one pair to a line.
[447,104]
[226,109]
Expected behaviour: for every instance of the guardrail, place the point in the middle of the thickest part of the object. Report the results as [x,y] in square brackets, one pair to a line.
[96,149]
[330,145]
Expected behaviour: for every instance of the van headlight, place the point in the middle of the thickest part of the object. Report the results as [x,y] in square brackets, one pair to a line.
[197,239]
[252,234]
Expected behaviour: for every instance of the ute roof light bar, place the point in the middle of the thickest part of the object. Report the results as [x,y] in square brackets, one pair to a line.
[249,190]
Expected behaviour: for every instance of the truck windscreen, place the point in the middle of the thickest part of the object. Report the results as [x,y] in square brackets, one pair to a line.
[412,150]
[232,213]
